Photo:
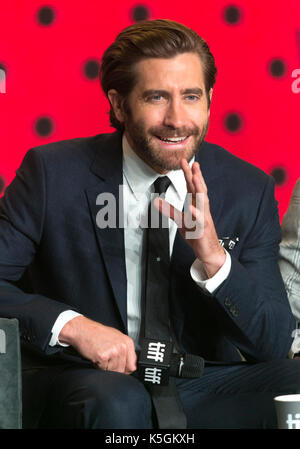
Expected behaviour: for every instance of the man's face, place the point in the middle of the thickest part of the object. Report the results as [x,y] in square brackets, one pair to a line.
[166,118]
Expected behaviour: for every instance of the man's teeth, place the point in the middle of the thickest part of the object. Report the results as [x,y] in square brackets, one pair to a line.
[173,139]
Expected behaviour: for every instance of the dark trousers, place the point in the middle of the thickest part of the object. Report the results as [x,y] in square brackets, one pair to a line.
[230,397]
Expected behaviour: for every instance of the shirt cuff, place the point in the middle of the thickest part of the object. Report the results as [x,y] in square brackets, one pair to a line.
[295,349]
[62,319]
[210,284]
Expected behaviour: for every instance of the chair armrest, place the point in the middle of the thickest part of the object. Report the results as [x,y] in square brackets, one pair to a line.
[10,375]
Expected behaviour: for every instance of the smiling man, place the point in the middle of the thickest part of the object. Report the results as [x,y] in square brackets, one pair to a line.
[126,327]
[166,118]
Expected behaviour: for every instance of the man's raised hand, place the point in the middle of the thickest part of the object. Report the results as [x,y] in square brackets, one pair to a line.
[196,224]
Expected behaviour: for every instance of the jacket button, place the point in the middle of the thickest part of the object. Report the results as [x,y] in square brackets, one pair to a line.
[234,311]
[228,302]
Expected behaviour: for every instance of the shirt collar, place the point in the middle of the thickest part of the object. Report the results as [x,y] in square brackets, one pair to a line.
[140,176]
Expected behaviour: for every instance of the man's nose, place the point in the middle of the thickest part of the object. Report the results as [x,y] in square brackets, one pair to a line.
[174,115]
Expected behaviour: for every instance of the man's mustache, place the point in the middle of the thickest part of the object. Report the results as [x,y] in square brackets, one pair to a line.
[167,133]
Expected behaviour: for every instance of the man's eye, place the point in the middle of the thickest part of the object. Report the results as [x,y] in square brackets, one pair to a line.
[191,97]
[156,98]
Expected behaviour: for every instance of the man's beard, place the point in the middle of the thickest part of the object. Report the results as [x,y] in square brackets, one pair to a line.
[159,159]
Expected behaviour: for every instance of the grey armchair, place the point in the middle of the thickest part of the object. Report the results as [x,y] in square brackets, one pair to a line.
[10,375]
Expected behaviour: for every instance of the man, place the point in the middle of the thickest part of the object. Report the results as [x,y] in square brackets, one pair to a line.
[77,286]
[289,261]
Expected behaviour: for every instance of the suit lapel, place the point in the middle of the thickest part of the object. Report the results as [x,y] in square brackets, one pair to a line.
[107,166]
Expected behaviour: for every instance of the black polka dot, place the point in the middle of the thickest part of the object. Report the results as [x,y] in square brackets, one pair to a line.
[232,14]
[140,12]
[2,184]
[233,122]
[280,175]
[46,15]
[277,68]
[91,69]
[44,126]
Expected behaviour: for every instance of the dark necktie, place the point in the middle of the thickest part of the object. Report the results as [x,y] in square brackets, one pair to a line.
[165,398]
[157,269]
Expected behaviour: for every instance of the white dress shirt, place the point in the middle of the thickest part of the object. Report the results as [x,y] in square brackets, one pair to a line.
[138,179]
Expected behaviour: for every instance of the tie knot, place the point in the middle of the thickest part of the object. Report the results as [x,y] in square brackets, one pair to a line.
[161,184]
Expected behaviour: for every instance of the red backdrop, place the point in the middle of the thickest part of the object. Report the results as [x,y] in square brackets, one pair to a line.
[49,52]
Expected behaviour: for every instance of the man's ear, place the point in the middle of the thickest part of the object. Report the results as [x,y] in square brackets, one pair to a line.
[116,103]
[210,94]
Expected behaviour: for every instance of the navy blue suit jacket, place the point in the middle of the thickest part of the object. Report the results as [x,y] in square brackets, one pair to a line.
[53,257]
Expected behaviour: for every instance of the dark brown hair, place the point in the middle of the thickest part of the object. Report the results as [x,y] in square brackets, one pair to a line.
[150,39]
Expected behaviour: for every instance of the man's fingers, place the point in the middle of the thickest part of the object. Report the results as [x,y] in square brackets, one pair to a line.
[131,358]
[105,346]
[194,178]
[131,364]
[198,179]
[197,214]
[120,358]
[117,360]
[190,222]
[168,210]
[188,176]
